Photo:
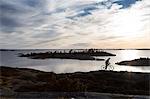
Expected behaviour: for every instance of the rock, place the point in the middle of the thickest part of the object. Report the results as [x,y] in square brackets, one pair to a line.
[136,62]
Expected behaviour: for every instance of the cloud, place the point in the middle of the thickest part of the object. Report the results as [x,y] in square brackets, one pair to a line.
[79,23]
[79,45]
[109,38]
[17,13]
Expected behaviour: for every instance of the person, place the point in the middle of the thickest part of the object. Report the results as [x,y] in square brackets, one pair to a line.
[107,63]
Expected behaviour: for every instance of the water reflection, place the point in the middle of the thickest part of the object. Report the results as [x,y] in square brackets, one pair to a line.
[129,54]
[68,65]
[124,55]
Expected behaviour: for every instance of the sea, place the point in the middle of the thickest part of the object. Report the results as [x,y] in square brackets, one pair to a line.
[11,58]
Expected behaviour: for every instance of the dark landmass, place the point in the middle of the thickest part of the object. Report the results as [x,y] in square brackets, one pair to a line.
[144,49]
[7,50]
[29,80]
[80,55]
[136,62]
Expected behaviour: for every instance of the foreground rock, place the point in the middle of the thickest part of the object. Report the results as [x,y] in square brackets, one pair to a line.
[80,55]
[28,80]
[136,62]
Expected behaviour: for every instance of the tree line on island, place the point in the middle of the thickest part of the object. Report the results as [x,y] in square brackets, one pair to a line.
[84,54]
[87,54]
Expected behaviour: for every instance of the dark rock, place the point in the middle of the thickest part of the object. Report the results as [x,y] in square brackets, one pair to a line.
[136,62]
[29,80]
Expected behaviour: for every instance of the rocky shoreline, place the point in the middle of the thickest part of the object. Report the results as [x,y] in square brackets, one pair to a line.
[136,62]
[29,80]
[79,55]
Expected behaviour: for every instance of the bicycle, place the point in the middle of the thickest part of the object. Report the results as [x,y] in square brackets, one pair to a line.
[109,67]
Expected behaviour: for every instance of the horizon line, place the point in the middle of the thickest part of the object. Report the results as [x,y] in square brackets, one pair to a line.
[75,48]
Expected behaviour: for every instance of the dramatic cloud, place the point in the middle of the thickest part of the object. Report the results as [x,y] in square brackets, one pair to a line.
[74,23]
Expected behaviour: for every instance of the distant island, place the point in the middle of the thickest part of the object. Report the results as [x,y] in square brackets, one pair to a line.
[7,50]
[71,54]
[136,62]
[15,81]
[76,49]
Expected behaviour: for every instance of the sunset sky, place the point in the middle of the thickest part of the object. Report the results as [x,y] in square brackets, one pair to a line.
[74,24]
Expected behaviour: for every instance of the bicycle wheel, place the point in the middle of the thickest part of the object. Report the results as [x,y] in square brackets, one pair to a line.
[110,67]
[103,67]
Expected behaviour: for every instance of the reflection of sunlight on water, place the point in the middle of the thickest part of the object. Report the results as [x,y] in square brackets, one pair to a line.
[131,69]
[68,65]
[77,66]
[129,54]
[41,68]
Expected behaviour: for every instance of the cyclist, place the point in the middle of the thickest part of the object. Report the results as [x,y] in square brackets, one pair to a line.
[107,63]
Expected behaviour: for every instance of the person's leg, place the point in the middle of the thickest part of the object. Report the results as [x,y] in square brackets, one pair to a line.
[106,67]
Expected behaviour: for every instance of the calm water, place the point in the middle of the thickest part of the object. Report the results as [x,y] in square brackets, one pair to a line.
[10,58]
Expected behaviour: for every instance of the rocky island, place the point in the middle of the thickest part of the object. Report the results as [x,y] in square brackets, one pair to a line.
[14,82]
[136,62]
[80,55]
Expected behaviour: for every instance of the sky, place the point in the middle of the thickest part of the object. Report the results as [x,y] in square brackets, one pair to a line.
[51,24]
